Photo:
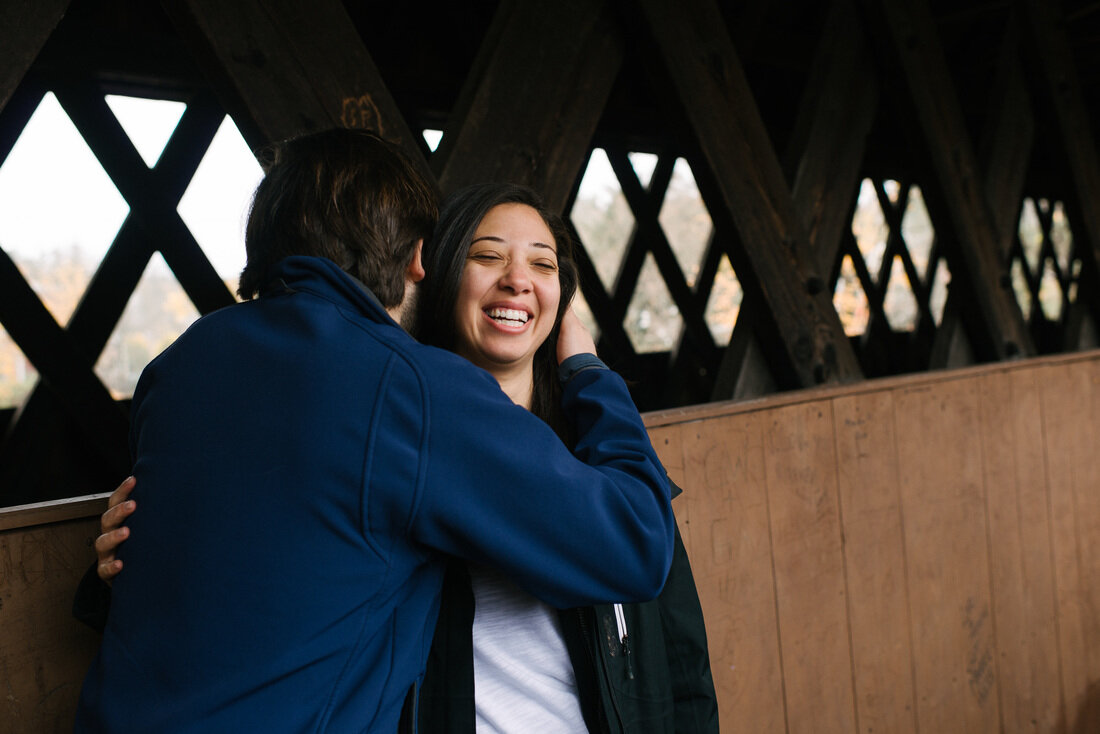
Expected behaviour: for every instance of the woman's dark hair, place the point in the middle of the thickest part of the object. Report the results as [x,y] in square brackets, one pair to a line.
[444,259]
[347,195]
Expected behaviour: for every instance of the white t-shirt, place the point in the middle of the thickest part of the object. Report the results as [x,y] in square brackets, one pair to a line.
[523,677]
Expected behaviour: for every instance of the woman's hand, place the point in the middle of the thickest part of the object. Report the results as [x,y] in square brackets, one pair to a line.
[113,532]
[573,338]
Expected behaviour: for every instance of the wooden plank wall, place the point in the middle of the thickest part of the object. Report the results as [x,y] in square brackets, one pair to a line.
[911,555]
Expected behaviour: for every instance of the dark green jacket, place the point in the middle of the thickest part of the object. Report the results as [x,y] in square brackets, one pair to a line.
[660,683]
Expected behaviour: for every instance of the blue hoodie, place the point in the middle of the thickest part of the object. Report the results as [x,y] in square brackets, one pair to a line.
[304,468]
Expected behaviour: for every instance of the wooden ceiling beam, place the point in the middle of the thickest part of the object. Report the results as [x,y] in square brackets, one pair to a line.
[102,422]
[1006,143]
[541,58]
[25,26]
[1061,87]
[698,56]
[936,105]
[287,67]
[838,110]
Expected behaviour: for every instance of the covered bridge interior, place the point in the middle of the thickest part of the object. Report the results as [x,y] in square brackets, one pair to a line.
[846,253]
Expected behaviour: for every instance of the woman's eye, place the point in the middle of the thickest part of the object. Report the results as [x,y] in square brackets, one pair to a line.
[546,266]
[485,256]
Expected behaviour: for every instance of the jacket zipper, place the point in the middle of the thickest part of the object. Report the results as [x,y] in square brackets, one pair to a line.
[624,640]
[600,669]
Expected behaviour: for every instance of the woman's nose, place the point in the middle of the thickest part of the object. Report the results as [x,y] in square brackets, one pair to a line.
[516,277]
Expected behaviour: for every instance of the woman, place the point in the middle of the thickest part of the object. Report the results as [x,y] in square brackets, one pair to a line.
[500,277]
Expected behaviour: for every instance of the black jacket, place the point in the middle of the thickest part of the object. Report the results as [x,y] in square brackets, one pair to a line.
[660,681]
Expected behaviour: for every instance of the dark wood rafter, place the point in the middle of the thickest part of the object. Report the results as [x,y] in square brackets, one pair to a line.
[935,103]
[523,79]
[25,26]
[838,111]
[699,57]
[117,276]
[1061,90]
[101,421]
[154,206]
[287,67]
[1006,144]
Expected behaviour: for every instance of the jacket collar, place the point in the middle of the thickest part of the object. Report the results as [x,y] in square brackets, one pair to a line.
[324,278]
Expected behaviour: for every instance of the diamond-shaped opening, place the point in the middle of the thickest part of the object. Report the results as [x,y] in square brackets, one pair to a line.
[1020,287]
[869,228]
[215,205]
[1061,236]
[685,220]
[899,304]
[602,217]
[892,189]
[937,299]
[850,300]
[17,374]
[59,210]
[724,303]
[1050,293]
[157,312]
[1075,277]
[917,231]
[148,122]
[644,164]
[584,313]
[1031,234]
[653,322]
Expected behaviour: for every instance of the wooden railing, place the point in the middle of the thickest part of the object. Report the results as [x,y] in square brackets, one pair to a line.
[909,555]
[917,554]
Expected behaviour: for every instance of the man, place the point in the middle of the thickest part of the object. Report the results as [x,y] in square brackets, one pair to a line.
[304,468]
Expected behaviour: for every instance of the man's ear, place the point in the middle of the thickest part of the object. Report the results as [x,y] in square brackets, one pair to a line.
[415,271]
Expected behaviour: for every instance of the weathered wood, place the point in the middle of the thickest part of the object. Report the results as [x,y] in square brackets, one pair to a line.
[710,85]
[874,557]
[731,561]
[961,184]
[546,57]
[1006,144]
[811,593]
[25,25]
[1019,532]
[1071,432]
[44,651]
[288,67]
[1062,90]
[46,345]
[947,558]
[838,108]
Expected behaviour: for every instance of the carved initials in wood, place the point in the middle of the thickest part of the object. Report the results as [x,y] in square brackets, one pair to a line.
[361,112]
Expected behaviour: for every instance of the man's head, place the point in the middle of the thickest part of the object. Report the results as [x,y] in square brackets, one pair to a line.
[346,195]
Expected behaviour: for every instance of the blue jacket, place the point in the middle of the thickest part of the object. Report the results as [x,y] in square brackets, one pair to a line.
[304,441]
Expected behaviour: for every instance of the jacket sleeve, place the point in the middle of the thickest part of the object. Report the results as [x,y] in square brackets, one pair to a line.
[498,487]
[694,700]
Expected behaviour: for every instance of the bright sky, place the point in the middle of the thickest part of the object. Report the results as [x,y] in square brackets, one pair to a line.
[54,194]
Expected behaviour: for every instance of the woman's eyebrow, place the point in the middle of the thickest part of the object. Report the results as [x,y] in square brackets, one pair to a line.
[494,238]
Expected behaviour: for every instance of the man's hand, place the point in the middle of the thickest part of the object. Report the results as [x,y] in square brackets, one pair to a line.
[573,338]
[113,532]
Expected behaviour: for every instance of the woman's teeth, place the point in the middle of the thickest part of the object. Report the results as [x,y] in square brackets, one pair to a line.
[509,315]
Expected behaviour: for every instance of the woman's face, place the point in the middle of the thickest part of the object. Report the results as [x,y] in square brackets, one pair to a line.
[509,293]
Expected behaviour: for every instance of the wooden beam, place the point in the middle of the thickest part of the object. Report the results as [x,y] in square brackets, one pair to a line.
[936,106]
[1062,90]
[25,25]
[287,67]
[543,57]
[1006,146]
[45,344]
[838,109]
[698,56]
